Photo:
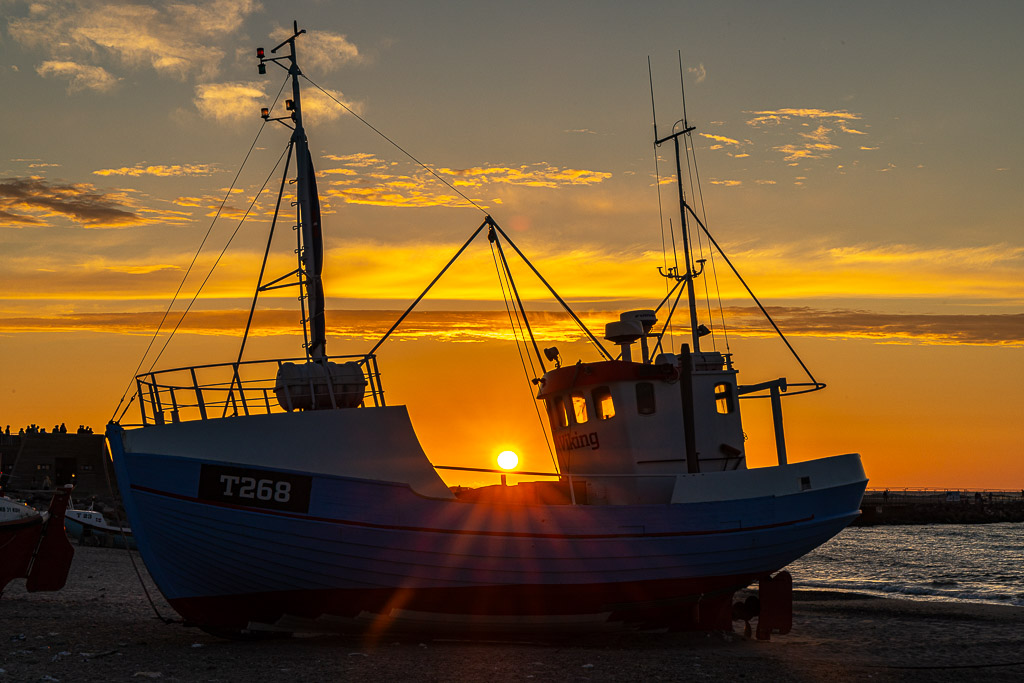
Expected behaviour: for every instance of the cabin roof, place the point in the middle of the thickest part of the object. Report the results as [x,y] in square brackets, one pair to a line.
[602,372]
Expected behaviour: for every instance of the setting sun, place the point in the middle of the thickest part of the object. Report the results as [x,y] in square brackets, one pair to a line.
[507,460]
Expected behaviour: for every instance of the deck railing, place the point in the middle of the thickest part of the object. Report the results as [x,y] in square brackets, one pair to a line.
[202,392]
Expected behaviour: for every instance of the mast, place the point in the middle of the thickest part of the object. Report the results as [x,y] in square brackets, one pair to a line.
[311,236]
[689,275]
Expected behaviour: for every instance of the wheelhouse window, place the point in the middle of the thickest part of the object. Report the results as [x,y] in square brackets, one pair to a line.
[604,407]
[559,416]
[645,398]
[724,401]
[579,408]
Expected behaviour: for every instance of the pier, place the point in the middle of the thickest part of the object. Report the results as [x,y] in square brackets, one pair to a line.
[940,506]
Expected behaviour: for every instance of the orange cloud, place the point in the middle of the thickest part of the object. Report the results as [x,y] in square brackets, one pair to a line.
[396,195]
[229,101]
[79,76]
[357,159]
[779,115]
[175,39]
[323,51]
[371,180]
[807,151]
[720,138]
[817,142]
[160,171]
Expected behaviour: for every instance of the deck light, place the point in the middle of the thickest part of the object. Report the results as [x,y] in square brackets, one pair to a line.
[703,331]
[265,113]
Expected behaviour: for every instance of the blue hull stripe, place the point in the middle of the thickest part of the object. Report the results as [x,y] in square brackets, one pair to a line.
[469,532]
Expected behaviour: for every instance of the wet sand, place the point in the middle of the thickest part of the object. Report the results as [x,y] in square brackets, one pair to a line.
[101,628]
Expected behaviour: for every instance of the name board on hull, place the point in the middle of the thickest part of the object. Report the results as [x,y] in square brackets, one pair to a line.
[255,488]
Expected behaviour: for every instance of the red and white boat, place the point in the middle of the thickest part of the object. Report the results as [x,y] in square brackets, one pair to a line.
[33,545]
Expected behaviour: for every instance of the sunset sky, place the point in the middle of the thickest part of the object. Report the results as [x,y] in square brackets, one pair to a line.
[860,163]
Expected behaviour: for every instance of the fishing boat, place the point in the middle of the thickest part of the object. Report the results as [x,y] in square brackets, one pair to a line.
[15,511]
[33,545]
[287,495]
[89,527]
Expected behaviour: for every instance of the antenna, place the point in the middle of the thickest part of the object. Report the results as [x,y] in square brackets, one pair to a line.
[654,113]
[690,273]
[682,88]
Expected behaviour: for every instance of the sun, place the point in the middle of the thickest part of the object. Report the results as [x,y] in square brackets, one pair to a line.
[507,460]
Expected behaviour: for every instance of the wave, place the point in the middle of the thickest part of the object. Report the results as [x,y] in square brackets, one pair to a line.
[923,592]
[960,563]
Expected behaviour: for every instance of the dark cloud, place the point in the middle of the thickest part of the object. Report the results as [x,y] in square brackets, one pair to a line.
[7,218]
[468,326]
[24,200]
[981,329]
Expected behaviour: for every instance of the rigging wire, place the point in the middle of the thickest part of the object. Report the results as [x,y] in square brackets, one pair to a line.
[209,273]
[432,283]
[514,323]
[227,244]
[300,272]
[521,311]
[395,144]
[669,295]
[116,496]
[503,274]
[657,172]
[711,253]
[266,253]
[757,301]
[661,217]
[659,348]
[188,270]
[691,150]
[565,306]
[488,221]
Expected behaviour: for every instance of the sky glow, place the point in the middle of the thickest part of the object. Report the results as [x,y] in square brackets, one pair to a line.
[859,163]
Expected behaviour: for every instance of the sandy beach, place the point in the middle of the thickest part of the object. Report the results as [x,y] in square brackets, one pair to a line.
[101,628]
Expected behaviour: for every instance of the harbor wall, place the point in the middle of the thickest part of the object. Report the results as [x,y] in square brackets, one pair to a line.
[939,506]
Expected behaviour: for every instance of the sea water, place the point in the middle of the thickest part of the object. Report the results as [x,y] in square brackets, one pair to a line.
[951,562]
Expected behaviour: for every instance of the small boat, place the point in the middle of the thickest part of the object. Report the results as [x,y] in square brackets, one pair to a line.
[33,545]
[89,527]
[15,511]
[287,495]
